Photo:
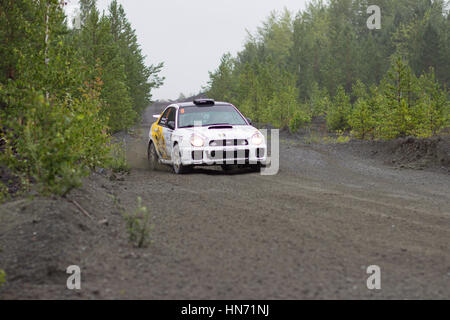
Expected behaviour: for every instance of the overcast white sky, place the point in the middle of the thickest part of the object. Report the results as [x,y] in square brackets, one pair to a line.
[190,36]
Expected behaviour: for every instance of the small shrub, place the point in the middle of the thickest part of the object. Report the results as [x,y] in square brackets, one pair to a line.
[2,277]
[3,193]
[118,161]
[138,225]
[338,112]
[299,119]
[313,138]
[341,138]
[362,120]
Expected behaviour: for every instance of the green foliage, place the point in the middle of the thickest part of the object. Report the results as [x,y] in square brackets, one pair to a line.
[339,110]
[63,91]
[403,105]
[221,81]
[433,106]
[318,102]
[2,277]
[118,160]
[340,138]
[138,225]
[99,49]
[361,119]
[283,106]
[423,39]
[276,33]
[3,193]
[322,60]
[59,140]
[140,79]
[299,119]
[400,92]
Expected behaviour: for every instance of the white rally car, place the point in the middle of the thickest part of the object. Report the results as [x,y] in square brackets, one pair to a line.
[205,132]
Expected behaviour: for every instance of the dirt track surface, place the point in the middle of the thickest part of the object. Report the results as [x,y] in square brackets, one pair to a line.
[308,232]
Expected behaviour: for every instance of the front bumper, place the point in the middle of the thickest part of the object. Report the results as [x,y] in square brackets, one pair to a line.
[224,155]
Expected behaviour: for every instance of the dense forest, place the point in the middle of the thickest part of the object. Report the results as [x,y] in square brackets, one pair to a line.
[325,62]
[64,89]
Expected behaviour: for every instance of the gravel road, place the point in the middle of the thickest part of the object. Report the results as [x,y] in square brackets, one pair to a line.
[309,232]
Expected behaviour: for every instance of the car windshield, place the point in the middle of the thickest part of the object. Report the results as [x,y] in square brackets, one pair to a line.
[207,116]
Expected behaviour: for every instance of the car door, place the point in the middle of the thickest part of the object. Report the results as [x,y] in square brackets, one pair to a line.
[159,136]
[168,131]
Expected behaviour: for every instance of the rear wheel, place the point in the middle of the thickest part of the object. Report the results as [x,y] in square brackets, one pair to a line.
[178,166]
[152,156]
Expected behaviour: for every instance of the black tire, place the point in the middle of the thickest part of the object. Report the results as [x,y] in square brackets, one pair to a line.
[178,167]
[152,157]
[255,167]
[226,167]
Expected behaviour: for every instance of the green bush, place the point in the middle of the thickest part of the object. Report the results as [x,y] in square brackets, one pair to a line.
[50,141]
[338,112]
[298,120]
[341,138]
[361,120]
[433,106]
[2,277]
[118,161]
[400,91]
[318,102]
[138,225]
[3,193]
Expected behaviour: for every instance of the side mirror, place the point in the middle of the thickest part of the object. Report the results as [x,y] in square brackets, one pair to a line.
[171,125]
[249,121]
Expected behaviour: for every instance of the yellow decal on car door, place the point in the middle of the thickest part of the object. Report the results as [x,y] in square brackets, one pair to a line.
[158,137]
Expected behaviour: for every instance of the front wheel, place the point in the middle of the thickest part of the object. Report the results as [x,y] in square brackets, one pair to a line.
[152,156]
[178,166]
[226,167]
[255,167]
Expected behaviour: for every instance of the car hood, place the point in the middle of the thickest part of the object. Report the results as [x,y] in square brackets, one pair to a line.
[221,132]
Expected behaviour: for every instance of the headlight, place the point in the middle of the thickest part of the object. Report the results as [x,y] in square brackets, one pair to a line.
[257,139]
[197,141]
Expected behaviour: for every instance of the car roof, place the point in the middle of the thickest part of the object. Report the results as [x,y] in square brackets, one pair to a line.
[192,104]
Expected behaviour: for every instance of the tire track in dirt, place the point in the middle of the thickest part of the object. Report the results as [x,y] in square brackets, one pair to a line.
[308,232]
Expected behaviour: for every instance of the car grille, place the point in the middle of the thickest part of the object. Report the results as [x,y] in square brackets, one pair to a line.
[197,155]
[228,142]
[260,152]
[228,155]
